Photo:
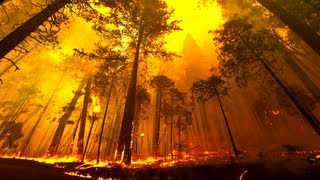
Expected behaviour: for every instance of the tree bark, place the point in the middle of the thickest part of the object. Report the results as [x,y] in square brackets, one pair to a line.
[13,39]
[84,117]
[301,29]
[53,148]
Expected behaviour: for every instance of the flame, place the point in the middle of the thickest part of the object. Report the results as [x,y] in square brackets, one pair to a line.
[96,103]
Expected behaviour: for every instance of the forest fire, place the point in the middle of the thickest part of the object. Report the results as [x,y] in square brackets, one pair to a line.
[140,90]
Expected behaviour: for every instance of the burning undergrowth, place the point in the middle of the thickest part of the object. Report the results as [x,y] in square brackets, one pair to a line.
[163,167]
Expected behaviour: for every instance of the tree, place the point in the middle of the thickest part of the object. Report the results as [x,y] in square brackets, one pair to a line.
[177,99]
[26,143]
[55,142]
[301,29]
[161,83]
[9,42]
[144,22]
[83,118]
[247,54]
[143,100]
[203,90]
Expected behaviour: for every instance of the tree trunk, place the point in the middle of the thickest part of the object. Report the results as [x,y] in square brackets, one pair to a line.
[128,114]
[301,29]
[227,124]
[307,114]
[25,145]
[309,84]
[75,133]
[179,133]
[84,117]
[104,119]
[171,130]
[156,127]
[53,148]
[136,126]
[13,39]
[312,120]
[88,138]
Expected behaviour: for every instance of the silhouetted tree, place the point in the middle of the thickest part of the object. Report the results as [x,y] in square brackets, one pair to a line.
[203,90]
[54,146]
[247,54]
[145,23]
[162,84]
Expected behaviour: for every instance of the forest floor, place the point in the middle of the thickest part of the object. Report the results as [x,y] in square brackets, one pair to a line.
[259,169]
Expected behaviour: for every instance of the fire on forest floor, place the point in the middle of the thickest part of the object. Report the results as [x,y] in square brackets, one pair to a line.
[72,165]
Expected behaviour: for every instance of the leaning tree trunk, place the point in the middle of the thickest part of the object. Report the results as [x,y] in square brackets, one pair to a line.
[53,148]
[25,145]
[307,114]
[156,127]
[128,114]
[309,84]
[301,29]
[312,120]
[13,39]
[227,124]
[88,138]
[104,119]
[84,117]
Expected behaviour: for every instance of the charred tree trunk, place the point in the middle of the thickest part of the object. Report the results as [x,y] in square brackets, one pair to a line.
[13,39]
[227,125]
[128,115]
[53,148]
[25,145]
[84,117]
[104,119]
[301,29]
[156,126]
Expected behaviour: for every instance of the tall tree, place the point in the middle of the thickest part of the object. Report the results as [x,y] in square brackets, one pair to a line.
[145,22]
[247,54]
[83,118]
[26,143]
[176,99]
[301,29]
[13,39]
[142,101]
[55,142]
[203,90]
[162,84]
